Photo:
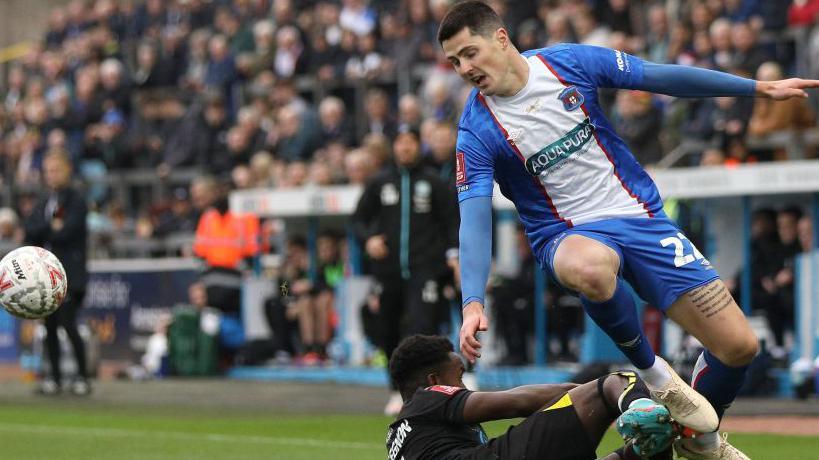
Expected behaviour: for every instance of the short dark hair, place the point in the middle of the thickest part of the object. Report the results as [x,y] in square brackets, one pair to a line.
[415,357]
[792,210]
[479,17]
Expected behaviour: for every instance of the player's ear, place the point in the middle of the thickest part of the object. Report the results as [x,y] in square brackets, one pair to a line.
[432,379]
[502,36]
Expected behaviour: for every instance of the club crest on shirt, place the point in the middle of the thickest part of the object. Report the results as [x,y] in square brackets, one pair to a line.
[571,98]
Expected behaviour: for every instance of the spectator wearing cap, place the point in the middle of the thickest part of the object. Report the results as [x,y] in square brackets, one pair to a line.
[107,141]
[407,219]
[178,217]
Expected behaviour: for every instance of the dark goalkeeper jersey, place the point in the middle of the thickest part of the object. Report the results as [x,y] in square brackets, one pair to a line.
[431,427]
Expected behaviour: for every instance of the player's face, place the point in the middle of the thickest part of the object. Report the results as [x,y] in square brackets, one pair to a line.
[480,61]
[57,173]
[453,372]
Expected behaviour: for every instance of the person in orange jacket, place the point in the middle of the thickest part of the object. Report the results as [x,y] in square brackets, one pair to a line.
[224,239]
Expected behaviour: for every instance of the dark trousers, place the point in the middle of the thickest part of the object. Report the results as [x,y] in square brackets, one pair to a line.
[66,317]
[407,307]
[780,319]
[283,329]
[224,289]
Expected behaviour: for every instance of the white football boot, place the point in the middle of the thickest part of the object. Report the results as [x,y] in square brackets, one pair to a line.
[686,448]
[687,407]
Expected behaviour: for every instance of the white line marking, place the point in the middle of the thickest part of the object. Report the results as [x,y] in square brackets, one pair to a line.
[181,436]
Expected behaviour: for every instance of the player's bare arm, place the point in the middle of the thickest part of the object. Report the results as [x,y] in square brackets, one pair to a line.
[476,253]
[522,401]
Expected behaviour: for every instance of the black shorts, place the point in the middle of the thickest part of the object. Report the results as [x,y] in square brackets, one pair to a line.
[551,434]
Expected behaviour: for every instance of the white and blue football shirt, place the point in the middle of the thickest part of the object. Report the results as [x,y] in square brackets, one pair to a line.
[551,149]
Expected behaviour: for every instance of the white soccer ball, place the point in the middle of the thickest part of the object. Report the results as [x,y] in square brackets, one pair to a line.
[33,282]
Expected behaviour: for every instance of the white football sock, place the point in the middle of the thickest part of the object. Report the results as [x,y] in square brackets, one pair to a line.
[707,442]
[655,376]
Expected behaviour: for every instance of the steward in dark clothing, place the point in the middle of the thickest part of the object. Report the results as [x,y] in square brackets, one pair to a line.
[408,218]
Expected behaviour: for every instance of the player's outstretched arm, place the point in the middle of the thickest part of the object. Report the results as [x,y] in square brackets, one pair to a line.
[475,249]
[686,81]
[522,401]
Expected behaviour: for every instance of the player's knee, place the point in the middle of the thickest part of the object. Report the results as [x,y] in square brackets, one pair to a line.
[739,352]
[595,281]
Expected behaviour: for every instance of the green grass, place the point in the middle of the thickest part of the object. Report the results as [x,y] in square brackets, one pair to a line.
[40,431]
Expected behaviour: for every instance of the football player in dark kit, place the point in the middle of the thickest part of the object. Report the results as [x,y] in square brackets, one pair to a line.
[441,419]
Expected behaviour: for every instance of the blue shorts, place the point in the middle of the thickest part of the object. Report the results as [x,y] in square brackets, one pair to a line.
[656,258]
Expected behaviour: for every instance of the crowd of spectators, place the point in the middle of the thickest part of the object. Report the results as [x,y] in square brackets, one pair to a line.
[777,237]
[285,93]
[279,93]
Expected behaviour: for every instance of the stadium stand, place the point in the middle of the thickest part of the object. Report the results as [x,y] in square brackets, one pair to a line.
[148,96]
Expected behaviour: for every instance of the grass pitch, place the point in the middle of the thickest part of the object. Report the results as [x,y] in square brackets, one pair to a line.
[68,431]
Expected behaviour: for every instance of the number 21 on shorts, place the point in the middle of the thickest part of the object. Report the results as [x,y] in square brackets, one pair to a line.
[680,257]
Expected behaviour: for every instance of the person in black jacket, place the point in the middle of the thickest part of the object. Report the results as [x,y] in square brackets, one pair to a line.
[407,217]
[58,223]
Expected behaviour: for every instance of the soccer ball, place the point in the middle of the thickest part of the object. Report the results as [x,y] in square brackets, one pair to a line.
[32,282]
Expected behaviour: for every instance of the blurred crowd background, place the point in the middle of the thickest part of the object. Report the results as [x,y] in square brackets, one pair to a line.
[165,106]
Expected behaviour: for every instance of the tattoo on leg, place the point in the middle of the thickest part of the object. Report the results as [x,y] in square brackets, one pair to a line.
[711,299]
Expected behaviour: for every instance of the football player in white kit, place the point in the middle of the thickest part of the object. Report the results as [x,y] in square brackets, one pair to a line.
[592,214]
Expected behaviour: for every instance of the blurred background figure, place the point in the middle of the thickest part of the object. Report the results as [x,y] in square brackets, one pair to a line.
[407,220]
[58,223]
[224,240]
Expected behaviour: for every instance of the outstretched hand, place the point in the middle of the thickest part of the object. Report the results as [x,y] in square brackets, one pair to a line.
[785,89]
[474,320]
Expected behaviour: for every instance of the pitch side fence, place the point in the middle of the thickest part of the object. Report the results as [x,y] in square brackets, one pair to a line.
[724,198]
